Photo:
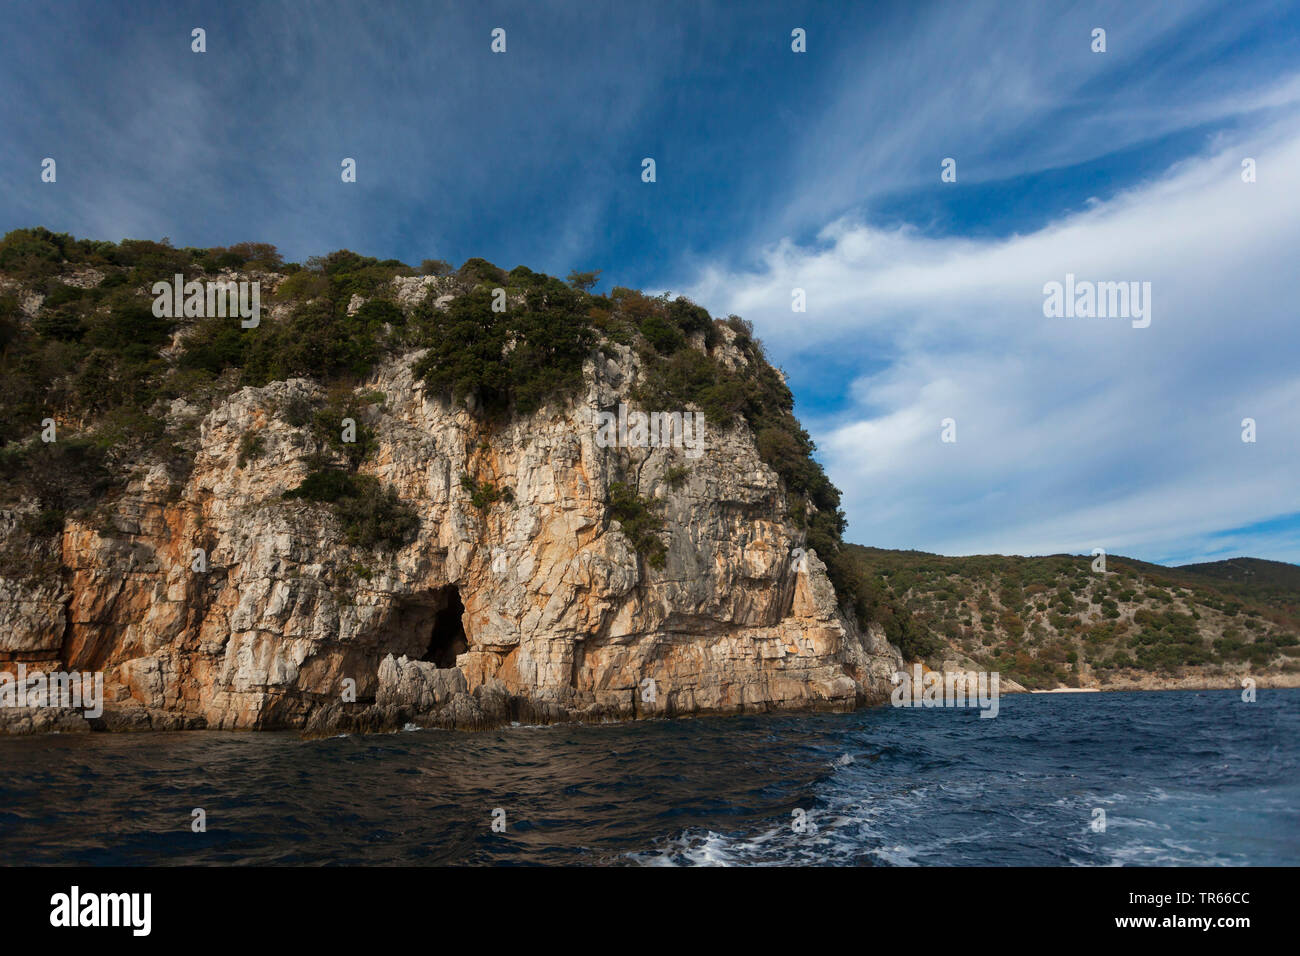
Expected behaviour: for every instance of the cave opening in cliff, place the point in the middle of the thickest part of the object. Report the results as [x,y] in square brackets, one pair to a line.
[447,638]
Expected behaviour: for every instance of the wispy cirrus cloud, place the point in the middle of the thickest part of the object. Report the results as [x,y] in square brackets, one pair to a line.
[1072,433]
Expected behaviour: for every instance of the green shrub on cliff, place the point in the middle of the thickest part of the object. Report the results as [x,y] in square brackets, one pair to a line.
[62,476]
[484,494]
[639,522]
[370,515]
[511,360]
[251,446]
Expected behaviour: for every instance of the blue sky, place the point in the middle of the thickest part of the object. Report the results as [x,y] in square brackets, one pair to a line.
[778,170]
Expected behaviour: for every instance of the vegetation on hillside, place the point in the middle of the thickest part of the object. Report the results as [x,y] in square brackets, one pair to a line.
[96,360]
[1274,583]
[1048,621]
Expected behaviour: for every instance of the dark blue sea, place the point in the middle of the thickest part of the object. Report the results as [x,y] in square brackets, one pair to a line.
[1184,777]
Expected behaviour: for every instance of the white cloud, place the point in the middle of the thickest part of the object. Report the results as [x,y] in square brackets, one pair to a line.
[1072,433]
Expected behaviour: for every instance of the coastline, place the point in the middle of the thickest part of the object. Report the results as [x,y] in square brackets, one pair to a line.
[64,721]
[1190,682]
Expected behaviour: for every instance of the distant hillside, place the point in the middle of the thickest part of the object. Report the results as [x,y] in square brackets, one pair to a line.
[1249,571]
[1051,621]
[1274,583]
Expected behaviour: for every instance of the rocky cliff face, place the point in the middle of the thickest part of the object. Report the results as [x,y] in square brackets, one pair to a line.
[209,600]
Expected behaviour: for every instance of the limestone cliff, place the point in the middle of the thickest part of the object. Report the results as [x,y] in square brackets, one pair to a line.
[210,599]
